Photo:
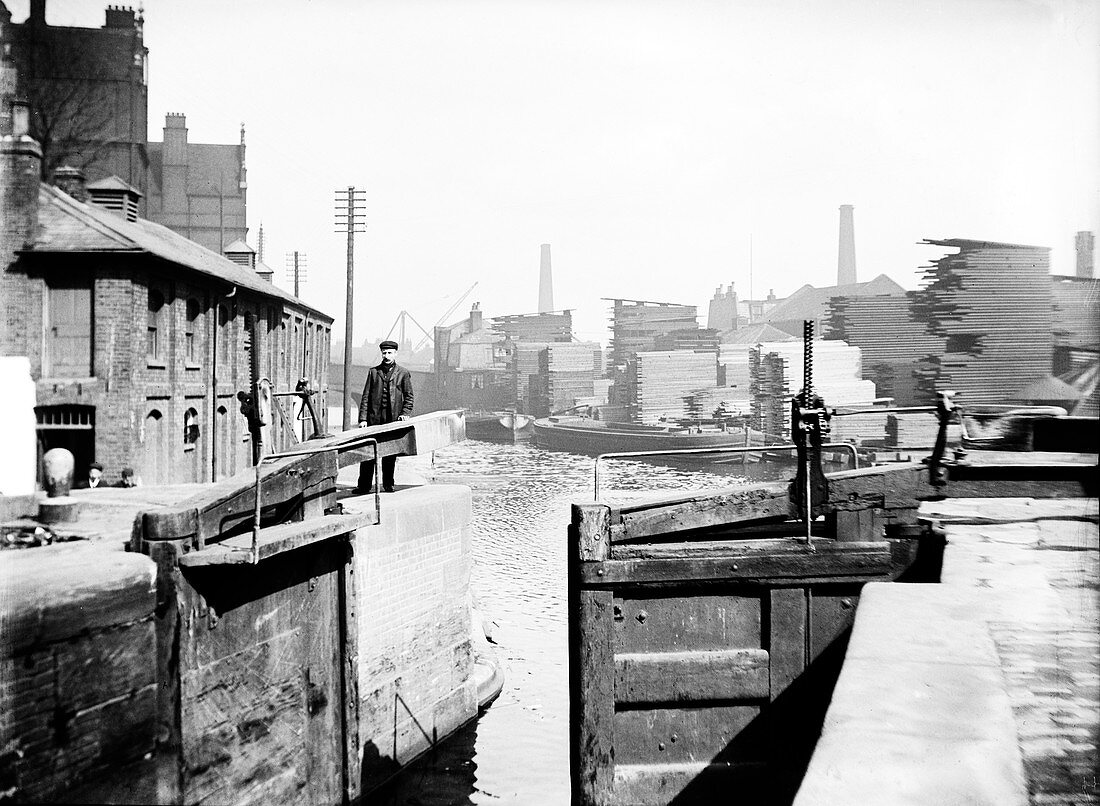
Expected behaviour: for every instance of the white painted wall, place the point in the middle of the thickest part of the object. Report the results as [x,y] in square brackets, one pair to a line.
[17,432]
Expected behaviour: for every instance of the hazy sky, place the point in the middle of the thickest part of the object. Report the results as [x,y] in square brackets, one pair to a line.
[646,142]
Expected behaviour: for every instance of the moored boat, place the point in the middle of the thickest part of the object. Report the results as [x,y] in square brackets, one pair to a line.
[498,426]
[577,434]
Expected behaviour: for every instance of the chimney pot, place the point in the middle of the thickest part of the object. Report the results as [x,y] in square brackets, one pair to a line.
[71,181]
[37,14]
[1084,242]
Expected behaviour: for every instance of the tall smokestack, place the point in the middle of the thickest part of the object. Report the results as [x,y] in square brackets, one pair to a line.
[546,282]
[1085,243]
[846,258]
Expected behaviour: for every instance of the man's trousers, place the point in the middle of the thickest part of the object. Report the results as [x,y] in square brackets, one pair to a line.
[366,474]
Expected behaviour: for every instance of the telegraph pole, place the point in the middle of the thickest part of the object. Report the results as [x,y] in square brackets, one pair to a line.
[349,219]
[296,268]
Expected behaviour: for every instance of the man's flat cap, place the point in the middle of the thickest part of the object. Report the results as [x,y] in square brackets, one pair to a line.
[388,345]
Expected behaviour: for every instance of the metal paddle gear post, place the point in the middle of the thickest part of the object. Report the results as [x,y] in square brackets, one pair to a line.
[809,423]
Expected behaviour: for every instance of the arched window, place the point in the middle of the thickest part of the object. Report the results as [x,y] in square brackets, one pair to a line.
[190,340]
[190,429]
[154,344]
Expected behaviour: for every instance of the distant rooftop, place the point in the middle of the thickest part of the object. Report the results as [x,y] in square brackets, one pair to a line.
[66,225]
[809,302]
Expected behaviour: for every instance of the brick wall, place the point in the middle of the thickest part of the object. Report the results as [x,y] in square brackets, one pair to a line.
[128,389]
[412,588]
[77,670]
[78,662]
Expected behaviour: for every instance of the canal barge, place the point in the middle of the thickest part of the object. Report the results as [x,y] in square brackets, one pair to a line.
[577,434]
[499,426]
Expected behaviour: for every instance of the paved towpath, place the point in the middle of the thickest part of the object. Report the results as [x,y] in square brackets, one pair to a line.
[1037,564]
[985,687]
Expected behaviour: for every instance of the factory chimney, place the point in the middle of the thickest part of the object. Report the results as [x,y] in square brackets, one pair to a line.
[846,258]
[546,282]
[1085,243]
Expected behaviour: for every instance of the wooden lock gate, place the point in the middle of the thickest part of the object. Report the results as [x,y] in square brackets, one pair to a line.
[705,639]
[257,639]
[693,661]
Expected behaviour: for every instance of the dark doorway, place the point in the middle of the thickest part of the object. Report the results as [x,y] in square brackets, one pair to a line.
[71,428]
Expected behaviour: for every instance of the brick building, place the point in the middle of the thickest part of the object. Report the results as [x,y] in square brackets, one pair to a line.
[138,338]
[87,90]
[198,189]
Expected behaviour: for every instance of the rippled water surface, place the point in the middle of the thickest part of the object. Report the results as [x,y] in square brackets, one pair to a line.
[517,752]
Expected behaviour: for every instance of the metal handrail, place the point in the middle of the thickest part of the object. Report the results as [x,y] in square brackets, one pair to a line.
[738,449]
[881,410]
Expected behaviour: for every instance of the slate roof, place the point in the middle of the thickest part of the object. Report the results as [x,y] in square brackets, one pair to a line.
[239,246]
[1048,389]
[66,225]
[113,183]
[756,334]
[810,303]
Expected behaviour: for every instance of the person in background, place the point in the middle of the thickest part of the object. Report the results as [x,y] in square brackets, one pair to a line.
[95,478]
[387,398]
[128,479]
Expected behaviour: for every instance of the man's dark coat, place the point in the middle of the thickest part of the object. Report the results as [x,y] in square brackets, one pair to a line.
[401,395]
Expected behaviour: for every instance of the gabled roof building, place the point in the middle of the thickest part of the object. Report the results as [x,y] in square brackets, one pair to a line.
[138,338]
[810,303]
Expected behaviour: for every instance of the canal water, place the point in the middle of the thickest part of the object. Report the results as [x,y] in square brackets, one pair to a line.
[517,751]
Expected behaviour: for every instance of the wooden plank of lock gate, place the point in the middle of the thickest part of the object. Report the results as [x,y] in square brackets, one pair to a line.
[859,561]
[261,671]
[756,502]
[691,676]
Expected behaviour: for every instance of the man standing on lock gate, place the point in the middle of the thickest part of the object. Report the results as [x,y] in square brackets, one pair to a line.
[387,397]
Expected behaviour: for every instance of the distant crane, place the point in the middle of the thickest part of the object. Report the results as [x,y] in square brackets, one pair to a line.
[400,320]
[443,318]
[405,316]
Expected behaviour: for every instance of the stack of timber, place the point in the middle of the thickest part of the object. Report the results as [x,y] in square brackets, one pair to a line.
[770,390]
[544,327]
[636,325]
[697,339]
[776,370]
[567,373]
[891,340]
[992,302]
[525,365]
[917,430]
[733,363]
[859,428]
[1076,313]
[659,384]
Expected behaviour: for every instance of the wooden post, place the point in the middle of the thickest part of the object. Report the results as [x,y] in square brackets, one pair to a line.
[349,630]
[591,662]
